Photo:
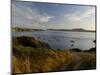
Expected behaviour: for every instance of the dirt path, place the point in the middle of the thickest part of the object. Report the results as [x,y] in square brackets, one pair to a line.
[75,61]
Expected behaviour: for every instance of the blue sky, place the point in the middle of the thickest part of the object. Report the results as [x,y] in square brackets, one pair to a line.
[52,16]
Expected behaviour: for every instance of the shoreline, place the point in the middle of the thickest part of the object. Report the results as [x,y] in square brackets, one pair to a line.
[56,31]
[71,42]
[32,55]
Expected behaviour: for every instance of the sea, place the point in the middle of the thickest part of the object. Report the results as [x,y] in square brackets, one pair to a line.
[63,39]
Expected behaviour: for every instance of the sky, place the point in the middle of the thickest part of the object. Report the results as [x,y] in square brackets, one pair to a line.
[52,16]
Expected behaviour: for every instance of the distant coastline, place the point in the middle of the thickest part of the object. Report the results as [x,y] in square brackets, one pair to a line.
[76,30]
[19,29]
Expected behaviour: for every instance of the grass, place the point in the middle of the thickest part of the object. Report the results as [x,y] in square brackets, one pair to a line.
[44,59]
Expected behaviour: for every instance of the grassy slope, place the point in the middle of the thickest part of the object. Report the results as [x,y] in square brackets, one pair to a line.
[32,55]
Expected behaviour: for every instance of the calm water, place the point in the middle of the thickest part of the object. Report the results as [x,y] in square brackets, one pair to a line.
[63,39]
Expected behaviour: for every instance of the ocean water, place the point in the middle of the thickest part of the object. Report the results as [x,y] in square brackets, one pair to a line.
[63,39]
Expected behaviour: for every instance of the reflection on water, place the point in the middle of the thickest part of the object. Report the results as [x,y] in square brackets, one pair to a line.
[63,39]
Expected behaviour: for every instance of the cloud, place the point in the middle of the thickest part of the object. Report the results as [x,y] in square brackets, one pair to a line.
[72,17]
[88,12]
[25,15]
[33,14]
[78,19]
[28,15]
[45,18]
[79,15]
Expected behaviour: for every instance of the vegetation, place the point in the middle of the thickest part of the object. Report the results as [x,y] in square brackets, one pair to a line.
[32,55]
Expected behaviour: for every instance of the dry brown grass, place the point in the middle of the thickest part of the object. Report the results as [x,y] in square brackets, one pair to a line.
[27,59]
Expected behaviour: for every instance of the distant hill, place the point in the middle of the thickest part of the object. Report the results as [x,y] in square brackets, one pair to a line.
[79,29]
[18,29]
[76,29]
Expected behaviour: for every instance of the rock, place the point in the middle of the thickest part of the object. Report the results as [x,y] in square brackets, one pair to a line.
[75,50]
[30,41]
[92,50]
[72,41]
[94,41]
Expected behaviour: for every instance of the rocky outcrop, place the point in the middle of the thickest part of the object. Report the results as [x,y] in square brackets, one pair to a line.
[29,41]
